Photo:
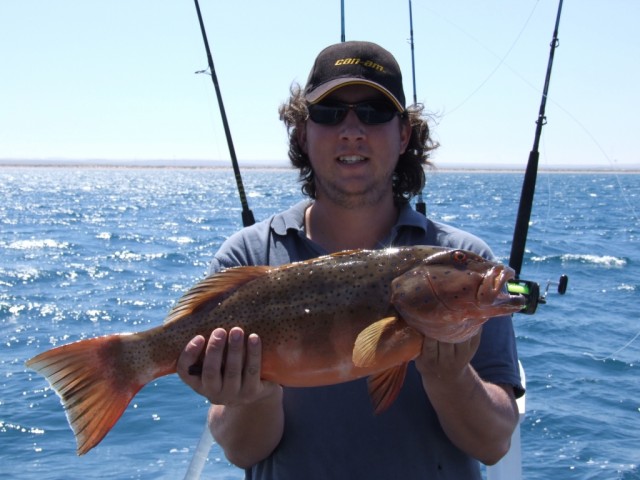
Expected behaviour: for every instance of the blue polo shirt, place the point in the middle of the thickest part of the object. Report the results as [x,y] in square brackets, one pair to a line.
[331,432]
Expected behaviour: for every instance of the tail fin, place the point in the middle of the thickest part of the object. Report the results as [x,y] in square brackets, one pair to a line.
[94,389]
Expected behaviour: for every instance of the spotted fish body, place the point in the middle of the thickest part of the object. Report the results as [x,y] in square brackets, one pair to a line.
[324,321]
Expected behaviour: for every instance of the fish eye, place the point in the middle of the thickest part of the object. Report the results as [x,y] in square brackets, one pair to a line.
[459,257]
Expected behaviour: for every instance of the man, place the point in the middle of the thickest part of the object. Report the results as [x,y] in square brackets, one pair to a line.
[361,154]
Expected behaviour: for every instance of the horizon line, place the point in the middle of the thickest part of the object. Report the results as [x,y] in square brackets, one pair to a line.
[281,164]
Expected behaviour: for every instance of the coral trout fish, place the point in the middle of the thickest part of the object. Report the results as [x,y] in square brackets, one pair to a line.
[332,319]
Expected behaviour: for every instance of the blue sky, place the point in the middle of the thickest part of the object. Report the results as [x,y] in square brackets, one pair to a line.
[115,79]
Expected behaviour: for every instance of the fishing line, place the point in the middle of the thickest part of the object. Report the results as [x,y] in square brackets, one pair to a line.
[630,207]
[610,356]
[212,117]
[629,204]
[501,59]
[543,228]
[502,62]
[614,170]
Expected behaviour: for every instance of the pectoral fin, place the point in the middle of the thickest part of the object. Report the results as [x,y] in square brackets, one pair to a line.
[369,341]
[384,387]
[385,343]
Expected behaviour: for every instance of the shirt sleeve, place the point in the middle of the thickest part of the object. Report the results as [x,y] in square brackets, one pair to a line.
[246,247]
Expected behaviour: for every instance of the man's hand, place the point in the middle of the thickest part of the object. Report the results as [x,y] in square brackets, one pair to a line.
[230,368]
[446,361]
[246,417]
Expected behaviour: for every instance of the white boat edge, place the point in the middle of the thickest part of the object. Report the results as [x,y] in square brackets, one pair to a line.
[510,467]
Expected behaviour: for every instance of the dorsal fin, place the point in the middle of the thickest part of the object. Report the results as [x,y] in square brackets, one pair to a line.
[321,259]
[348,252]
[213,286]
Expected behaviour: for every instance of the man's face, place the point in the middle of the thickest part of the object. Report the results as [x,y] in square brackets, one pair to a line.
[354,162]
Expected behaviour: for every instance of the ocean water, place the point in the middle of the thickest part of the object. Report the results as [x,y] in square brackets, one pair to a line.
[93,251]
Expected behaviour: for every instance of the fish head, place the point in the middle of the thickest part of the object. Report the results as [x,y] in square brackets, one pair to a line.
[449,295]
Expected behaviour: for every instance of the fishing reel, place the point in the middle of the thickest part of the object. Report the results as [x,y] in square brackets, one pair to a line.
[531,291]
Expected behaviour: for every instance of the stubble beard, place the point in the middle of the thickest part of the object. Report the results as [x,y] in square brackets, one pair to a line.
[370,195]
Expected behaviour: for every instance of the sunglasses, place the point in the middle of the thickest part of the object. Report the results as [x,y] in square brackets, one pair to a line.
[371,112]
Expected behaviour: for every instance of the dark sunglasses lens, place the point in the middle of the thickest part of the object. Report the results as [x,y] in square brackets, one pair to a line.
[375,113]
[327,114]
[369,113]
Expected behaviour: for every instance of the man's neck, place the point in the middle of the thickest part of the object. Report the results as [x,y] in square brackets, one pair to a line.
[335,228]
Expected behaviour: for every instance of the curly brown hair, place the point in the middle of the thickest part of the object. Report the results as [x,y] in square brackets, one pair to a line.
[409,176]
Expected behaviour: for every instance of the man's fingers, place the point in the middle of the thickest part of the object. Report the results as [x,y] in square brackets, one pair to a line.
[254,357]
[190,356]
[226,369]
[252,382]
[214,360]
[430,349]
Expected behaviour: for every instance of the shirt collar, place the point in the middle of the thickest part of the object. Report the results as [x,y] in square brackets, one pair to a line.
[293,219]
[408,220]
[408,217]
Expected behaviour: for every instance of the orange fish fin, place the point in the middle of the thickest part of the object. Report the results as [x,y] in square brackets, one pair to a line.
[94,389]
[344,253]
[323,259]
[384,387]
[213,286]
[368,341]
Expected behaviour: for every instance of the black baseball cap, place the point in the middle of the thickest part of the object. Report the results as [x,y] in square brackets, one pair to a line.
[355,63]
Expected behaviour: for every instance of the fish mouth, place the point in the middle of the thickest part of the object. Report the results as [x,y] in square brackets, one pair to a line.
[493,290]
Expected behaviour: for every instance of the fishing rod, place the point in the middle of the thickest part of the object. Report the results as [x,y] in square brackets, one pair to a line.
[206,440]
[531,290]
[342,36]
[420,205]
[247,214]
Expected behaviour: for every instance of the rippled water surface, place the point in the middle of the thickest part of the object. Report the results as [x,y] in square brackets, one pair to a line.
[92,251]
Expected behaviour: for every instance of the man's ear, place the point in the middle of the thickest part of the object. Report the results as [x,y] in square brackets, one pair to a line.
[301,136]
[405,134]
